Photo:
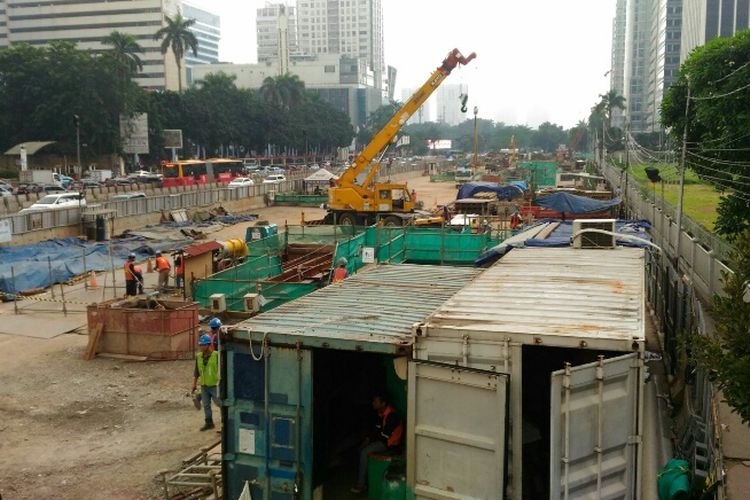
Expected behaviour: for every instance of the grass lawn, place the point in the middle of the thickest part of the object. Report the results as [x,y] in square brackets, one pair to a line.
[700,199]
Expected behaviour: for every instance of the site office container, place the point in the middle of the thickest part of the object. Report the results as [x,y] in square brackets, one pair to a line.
[564,331]
[297,380]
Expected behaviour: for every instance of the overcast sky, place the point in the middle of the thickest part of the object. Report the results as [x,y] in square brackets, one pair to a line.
[537,60]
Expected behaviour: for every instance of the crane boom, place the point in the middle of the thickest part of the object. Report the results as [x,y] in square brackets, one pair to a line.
[389,131]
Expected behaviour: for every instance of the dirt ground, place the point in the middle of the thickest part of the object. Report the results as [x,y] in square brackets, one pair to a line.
[104,428]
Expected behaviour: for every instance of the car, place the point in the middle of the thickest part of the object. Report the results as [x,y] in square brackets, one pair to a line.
[56,202]
[87,184]
[52,188]
[241,182]
[5,191]
[274,179]
[276,170]
[120,181]
[66,181]
[128,196]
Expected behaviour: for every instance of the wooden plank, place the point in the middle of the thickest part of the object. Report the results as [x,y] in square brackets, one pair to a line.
[126,357]
[90,352]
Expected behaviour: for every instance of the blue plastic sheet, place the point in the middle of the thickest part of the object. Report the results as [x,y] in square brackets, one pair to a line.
[560,237]
[31,263]
[574,204]
[509,192]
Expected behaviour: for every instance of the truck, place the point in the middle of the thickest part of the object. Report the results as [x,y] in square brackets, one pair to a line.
[99,175]
[40,177]
[356,198]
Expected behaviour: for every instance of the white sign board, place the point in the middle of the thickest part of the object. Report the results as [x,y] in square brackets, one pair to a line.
[247,441]
[6,232]
[368,255]
[440,144]
[134,133]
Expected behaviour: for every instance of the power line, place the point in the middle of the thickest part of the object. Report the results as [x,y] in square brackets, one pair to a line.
[720,161]
[729,139]
[729,74]
[710,97]
[703,167]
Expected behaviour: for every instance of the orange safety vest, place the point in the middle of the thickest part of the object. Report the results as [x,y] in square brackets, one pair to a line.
[398,433]
[339,274]
[162,264]
[180,269]
[128,274]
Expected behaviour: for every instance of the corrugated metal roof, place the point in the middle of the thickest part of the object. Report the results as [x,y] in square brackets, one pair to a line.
[201,248]
[379,305]
[580,294]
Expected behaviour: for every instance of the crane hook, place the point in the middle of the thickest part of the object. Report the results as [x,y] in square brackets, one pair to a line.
[464,98]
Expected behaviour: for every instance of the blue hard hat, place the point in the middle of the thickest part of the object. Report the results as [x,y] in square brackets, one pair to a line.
[204,340]
[214,323]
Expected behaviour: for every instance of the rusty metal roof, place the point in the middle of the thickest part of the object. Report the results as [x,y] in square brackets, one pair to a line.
[201,248]
[560,296]
[372,310]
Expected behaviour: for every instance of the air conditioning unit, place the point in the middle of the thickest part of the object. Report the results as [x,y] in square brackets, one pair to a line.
[594,239]
[218,303]
[252,302]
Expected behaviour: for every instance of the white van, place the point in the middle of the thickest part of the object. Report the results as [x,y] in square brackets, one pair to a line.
[56,202]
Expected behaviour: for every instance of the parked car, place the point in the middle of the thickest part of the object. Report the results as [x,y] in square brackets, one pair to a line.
[128,196]
[51,188]
[241,182]
[120,181]
[86,184]
[274,179]
[56,202]
[66,181]
[5,191]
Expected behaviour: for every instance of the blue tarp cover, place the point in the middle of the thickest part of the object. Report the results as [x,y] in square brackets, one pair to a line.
[574,204]
[469,189]
[560,237]
[30,266]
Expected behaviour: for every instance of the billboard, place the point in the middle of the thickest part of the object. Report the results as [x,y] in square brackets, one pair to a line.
[134,133]
[172,138]
[440,144]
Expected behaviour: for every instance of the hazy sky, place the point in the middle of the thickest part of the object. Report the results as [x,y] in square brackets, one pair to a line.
[537,60]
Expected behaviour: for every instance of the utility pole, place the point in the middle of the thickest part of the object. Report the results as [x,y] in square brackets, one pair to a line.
[682,180]
[627,163]
[77,123]
[476,139]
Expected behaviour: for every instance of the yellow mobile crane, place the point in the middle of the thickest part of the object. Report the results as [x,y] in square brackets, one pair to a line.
[361,203]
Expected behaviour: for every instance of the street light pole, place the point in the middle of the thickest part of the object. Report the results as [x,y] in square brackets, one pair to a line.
[77,122]
[682,181]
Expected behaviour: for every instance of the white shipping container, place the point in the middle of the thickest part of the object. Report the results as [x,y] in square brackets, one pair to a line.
[568,328]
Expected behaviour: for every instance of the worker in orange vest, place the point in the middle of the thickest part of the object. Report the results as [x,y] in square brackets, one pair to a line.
[387,435]
[162,267]
[131,285]
[179,268]
[340,273]
[138,273]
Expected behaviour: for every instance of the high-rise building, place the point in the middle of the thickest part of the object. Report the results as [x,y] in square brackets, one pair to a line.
[347,27]
[704,20]
[276,28]
[421,115]
[87,22]
[207,30]
[448,104]
[645,59]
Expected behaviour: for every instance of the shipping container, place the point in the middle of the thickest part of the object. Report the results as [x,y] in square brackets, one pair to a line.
[297,381]
[564,330]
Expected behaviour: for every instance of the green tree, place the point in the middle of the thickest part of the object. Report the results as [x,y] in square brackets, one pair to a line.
[177,36]
[611,101]
[549,136]
[125,50]
[726,357]
[717,123]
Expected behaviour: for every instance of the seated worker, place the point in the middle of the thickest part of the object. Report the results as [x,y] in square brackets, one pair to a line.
[387,435]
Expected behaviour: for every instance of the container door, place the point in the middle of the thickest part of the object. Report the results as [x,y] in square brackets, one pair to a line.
[268,441]
[456,431]
[595,429]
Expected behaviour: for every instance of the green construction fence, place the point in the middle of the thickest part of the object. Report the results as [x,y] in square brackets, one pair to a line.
[540,173]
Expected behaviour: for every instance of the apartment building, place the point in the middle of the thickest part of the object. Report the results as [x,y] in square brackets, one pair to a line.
[207,30]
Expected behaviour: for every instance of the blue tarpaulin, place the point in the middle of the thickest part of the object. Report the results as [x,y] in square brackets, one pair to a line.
[509,192]
[574,204]
[561,236]
[31,263]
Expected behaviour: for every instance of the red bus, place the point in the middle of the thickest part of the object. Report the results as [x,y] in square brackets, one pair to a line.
[189,172]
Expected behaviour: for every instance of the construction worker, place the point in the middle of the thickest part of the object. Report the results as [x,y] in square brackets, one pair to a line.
[138,273]
[215,325]
[340,273]
[162,267]
[207,374]
[387,435]
[131,285]
[179,268]
[414,195]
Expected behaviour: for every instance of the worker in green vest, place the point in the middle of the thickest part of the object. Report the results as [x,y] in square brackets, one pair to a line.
[207,373]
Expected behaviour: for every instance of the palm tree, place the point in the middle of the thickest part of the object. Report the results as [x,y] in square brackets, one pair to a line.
[610,101]
[285,91]
[125,50]
[177,35]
